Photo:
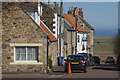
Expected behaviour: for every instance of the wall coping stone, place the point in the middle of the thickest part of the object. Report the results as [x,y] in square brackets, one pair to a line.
[26,44]
[26,63]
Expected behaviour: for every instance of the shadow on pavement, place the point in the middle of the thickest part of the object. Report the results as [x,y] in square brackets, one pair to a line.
[110,67]
[56,73]
[77,72]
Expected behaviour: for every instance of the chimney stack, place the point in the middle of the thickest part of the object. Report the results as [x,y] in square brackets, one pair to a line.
[72,8]
[55,3]
[80,12]
[57,8]
[69,8]
[75,11]
[48,2]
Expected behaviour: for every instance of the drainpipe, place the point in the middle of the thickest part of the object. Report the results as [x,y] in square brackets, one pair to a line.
[47,52]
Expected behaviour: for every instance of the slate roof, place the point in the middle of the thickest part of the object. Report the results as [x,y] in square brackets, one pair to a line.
[33,7]
[71,20]
[66,25]
[29,6]
[52,9]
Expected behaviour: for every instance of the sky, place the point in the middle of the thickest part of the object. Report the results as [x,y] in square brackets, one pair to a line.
[102,16]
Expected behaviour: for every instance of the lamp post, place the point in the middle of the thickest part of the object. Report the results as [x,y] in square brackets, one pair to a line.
[60,33]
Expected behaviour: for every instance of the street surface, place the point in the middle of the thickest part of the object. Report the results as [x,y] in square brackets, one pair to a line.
[101,71]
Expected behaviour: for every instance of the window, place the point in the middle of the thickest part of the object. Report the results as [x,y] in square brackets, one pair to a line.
[26,53]
[81,25]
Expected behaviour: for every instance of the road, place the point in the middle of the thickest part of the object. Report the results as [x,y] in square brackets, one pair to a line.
[101,71]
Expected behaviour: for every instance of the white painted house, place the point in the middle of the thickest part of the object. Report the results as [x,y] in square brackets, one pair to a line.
[81,42]
[81,34]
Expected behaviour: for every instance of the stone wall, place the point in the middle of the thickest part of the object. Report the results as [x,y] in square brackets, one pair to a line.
[18,27]
[53,53]
[47,16]
[0,41]
[92,41]
[69,39]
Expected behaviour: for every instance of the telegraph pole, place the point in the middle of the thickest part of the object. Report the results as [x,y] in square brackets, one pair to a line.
[76,35]
[60,33]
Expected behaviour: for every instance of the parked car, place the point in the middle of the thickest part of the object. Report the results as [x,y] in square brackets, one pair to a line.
[77,62]
[91,60]
[96,59]
[109,60]
[87,58]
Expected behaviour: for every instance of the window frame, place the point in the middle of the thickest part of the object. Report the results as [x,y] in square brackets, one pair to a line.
[26,54]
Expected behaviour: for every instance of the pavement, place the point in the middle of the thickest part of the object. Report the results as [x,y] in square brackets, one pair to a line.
[101,71]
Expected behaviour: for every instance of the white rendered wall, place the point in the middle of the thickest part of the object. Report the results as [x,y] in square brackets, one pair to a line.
[55,24]
[80,43]
[62,38]
[62,32]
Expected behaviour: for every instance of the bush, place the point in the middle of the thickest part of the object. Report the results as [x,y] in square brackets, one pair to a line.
[50,62]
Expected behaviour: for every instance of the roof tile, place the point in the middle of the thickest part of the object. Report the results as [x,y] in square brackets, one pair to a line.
[69,18]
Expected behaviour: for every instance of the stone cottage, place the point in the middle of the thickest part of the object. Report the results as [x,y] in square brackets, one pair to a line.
[51,17]
[78,13]
[68,39]
[81,34]
[32,9]
[24,40]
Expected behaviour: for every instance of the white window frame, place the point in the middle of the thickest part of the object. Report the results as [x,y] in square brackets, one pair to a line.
[26,54]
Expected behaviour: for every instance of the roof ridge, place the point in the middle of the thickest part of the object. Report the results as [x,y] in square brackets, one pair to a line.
[69,21]
[85,22]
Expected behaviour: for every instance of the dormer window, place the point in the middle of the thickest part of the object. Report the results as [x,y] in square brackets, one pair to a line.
[32,14]
[81,25]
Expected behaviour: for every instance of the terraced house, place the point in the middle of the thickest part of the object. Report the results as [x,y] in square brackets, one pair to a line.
[78,13]
[30,36]
[81,34]
[24,38]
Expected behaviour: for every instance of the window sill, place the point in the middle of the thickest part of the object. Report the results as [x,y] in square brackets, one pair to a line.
[26,63]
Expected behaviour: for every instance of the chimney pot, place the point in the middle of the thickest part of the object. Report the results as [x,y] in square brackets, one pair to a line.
[82,9]
[55,3]
[72,8]
[80,12]
[75,8]
[48,2]
[69,8]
